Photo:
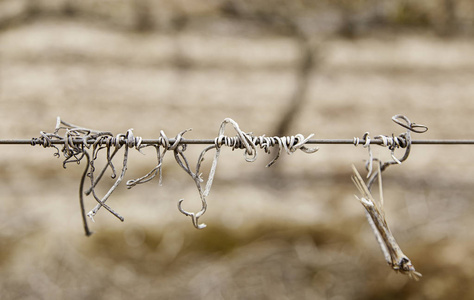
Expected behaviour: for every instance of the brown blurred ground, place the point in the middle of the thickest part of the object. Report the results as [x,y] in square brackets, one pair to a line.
[293,231]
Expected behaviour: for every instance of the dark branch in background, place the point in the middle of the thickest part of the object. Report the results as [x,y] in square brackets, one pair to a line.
[279,16]
[450,25]
[143,17]
[305,68]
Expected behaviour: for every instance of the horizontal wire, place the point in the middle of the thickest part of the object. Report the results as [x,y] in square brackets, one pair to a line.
[212,141]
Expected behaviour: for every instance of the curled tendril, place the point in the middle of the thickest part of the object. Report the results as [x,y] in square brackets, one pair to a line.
[80,142]
[242,140]
[392,142]
[249,142]
[374,209]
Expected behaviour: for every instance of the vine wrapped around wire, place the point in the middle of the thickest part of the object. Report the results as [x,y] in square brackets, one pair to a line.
[374,211]
[79,143]
[242,140]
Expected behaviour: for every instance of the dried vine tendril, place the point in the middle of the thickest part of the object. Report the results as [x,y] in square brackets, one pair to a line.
[392,143]
[79,143]
[242,140]
[374,209]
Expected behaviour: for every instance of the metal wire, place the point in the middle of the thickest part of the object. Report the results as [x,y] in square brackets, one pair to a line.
[212,141]
[80,142]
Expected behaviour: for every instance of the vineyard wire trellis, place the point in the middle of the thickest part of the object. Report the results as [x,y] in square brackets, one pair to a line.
[80,143]
[211,141]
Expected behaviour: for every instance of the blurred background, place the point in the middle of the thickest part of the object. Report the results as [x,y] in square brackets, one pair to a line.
[292,231]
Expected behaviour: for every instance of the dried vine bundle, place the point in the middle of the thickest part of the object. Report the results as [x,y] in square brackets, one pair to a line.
[78,144]
[376,218]
[374,209]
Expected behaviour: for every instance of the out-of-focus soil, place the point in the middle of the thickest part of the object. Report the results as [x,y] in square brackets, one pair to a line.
[292,231]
